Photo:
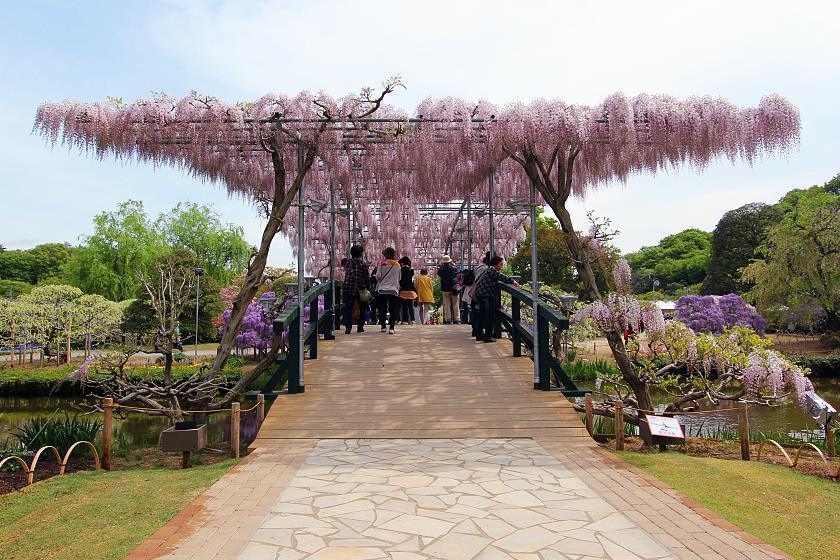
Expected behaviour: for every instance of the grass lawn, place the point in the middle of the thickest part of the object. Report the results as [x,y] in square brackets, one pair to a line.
[796,513]
[97,514]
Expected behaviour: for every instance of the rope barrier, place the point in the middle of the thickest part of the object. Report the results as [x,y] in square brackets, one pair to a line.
[139,408]
[212,410]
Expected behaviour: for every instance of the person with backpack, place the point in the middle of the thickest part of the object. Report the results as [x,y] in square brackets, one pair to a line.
[408,292]
[448,274]
[388,287]
[488,293]
[469,292]
[356,282]
[425,295]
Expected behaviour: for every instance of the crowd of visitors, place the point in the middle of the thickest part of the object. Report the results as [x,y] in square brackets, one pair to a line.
[391,293]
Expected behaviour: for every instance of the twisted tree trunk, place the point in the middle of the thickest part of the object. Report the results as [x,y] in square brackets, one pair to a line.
[556,193]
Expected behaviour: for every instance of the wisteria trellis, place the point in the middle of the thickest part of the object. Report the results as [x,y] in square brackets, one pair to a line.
[444,151]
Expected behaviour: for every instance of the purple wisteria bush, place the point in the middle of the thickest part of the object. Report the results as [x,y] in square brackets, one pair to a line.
[713,314]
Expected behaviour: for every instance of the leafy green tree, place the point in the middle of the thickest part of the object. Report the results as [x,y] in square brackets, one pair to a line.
[51,310]
[801,264]
[141,318]
[34,265]
[123,245]
[734,241]
[14,288]
[555,263]
[220,247]
[677,261]
[96,319]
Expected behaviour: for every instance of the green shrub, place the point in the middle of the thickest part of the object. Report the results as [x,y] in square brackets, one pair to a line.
[14,466]
[820,366]
[58,432]
[581,370]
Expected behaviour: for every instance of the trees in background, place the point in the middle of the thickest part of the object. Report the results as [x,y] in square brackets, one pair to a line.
[126,241]
[34,265]
[221,248]
[141,318]
[734,241]
[677,261]
[800,264]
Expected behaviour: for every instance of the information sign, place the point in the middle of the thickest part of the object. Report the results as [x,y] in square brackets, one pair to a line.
[664,426]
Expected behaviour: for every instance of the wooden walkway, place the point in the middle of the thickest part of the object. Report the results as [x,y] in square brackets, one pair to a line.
[423,382]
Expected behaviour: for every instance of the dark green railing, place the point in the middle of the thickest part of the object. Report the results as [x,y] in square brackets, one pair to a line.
[319,323]
[550,368]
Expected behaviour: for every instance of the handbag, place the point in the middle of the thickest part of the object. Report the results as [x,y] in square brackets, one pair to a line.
[408,294]
[365,295]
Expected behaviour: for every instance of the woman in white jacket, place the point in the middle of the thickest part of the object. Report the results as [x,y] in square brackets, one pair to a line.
[388,289]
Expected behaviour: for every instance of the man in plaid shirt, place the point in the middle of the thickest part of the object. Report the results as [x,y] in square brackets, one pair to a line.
[488,293]
[356,278]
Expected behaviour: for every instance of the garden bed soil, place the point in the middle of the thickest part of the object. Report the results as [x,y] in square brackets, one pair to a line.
[731,451]
[150,458]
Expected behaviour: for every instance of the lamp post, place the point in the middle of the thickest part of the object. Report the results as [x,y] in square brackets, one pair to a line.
[198,273]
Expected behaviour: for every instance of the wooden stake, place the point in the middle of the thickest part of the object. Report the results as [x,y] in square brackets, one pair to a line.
[186,461]
[107,423]
[587,404]
[829,439]
[744,431]
[69,328]
[234,430]
[260,409]
[619,426]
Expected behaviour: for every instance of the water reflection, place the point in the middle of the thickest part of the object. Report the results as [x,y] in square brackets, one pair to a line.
[135,431]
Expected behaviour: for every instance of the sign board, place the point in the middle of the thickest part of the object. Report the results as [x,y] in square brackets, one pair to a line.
[818,408]
[664,426]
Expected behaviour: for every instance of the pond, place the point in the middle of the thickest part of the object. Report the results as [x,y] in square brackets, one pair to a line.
[787,418]
[135,431]
[139,430]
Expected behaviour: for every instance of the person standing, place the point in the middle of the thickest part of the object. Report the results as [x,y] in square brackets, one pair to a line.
[408,291]
[356,279]
[488,293]
[448,274]
[475,313]
[425,295]
[388,287]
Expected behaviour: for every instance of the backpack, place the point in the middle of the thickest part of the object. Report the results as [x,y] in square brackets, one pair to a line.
[468,277]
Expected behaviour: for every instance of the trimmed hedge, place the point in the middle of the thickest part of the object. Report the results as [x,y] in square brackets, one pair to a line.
[820,366]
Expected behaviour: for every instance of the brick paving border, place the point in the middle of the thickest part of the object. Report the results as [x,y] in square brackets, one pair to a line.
[690,530]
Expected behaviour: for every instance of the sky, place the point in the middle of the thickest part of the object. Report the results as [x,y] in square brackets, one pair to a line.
[499,51]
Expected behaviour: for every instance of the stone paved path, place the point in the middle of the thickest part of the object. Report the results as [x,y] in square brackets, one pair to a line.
[488,499]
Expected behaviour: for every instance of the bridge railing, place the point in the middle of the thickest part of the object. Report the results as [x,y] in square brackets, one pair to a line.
[319,323]
[522,334]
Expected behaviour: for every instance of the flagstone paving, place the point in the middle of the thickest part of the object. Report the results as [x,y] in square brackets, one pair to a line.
[451,499]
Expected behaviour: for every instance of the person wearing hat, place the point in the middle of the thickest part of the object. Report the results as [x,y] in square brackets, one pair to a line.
[448,274]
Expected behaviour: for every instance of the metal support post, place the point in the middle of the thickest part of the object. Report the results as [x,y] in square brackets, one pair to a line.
[300,281]
[535,289]
[490,213]
[469,231]
[328,331]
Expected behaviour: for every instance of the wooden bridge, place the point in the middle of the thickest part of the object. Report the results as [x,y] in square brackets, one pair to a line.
[424,382]
[427,381]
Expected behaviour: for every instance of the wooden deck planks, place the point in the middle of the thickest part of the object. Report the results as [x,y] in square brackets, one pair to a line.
[424,382]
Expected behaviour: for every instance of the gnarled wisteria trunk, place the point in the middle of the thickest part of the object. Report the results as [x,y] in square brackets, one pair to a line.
[556,193]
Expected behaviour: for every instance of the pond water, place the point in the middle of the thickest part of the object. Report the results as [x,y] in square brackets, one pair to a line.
[787,418]
[135,431]
[139,430]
